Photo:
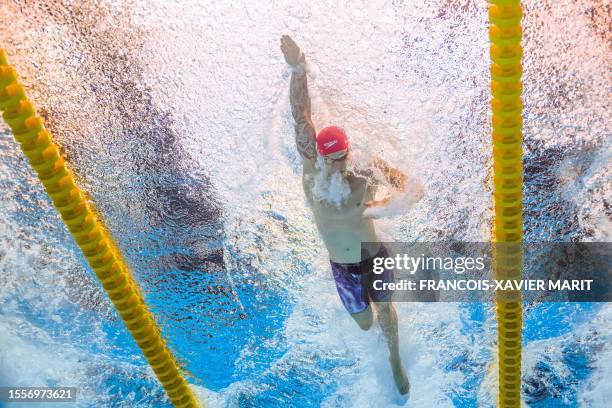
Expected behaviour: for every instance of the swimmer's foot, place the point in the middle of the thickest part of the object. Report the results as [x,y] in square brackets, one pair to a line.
[399,375]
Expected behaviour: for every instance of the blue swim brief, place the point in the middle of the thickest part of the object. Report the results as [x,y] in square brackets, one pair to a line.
[354,282]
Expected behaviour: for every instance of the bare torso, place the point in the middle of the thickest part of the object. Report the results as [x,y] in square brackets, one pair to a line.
[344,228]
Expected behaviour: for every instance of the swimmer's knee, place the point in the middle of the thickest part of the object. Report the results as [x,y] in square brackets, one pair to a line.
[365,325]
[364,318]
[385,310]
[383,307]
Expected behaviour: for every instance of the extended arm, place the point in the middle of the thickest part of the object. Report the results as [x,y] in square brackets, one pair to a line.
[305,134]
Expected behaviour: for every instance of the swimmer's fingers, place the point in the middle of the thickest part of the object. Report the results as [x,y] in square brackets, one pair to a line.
[370,215]
[367,215]
[373,210]
[288,41]
[290,50]
[284,42]
[287,44]
[377,203]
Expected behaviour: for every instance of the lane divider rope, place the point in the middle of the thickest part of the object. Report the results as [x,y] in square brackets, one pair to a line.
[505,35]
[90,234]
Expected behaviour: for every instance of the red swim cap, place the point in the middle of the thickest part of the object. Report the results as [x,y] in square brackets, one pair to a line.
[331,139]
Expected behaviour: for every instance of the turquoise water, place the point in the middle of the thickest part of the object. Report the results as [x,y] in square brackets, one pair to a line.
[176,119]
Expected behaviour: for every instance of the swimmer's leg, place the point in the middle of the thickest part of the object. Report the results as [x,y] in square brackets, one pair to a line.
[387,319]
[365,318]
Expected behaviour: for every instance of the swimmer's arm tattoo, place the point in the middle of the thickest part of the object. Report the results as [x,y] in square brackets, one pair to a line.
[305,134]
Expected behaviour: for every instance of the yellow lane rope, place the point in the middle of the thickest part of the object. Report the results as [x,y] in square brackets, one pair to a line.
[89,233]
[505,34]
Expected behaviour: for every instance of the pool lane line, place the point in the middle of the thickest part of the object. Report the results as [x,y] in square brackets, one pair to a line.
[505,35]
[91,235]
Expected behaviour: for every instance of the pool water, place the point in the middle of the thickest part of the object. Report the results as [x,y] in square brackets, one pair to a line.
[176,119]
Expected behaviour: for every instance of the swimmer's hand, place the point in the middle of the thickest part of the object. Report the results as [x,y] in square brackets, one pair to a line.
[378,203]
[374,208]
[394,204]
[292,53]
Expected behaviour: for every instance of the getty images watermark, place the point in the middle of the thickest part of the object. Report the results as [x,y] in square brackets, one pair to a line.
[473,272]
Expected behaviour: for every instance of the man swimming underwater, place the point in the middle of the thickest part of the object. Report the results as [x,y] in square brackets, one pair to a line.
[344,216]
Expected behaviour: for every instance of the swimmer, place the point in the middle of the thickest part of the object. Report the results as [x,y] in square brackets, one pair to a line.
[345,224]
